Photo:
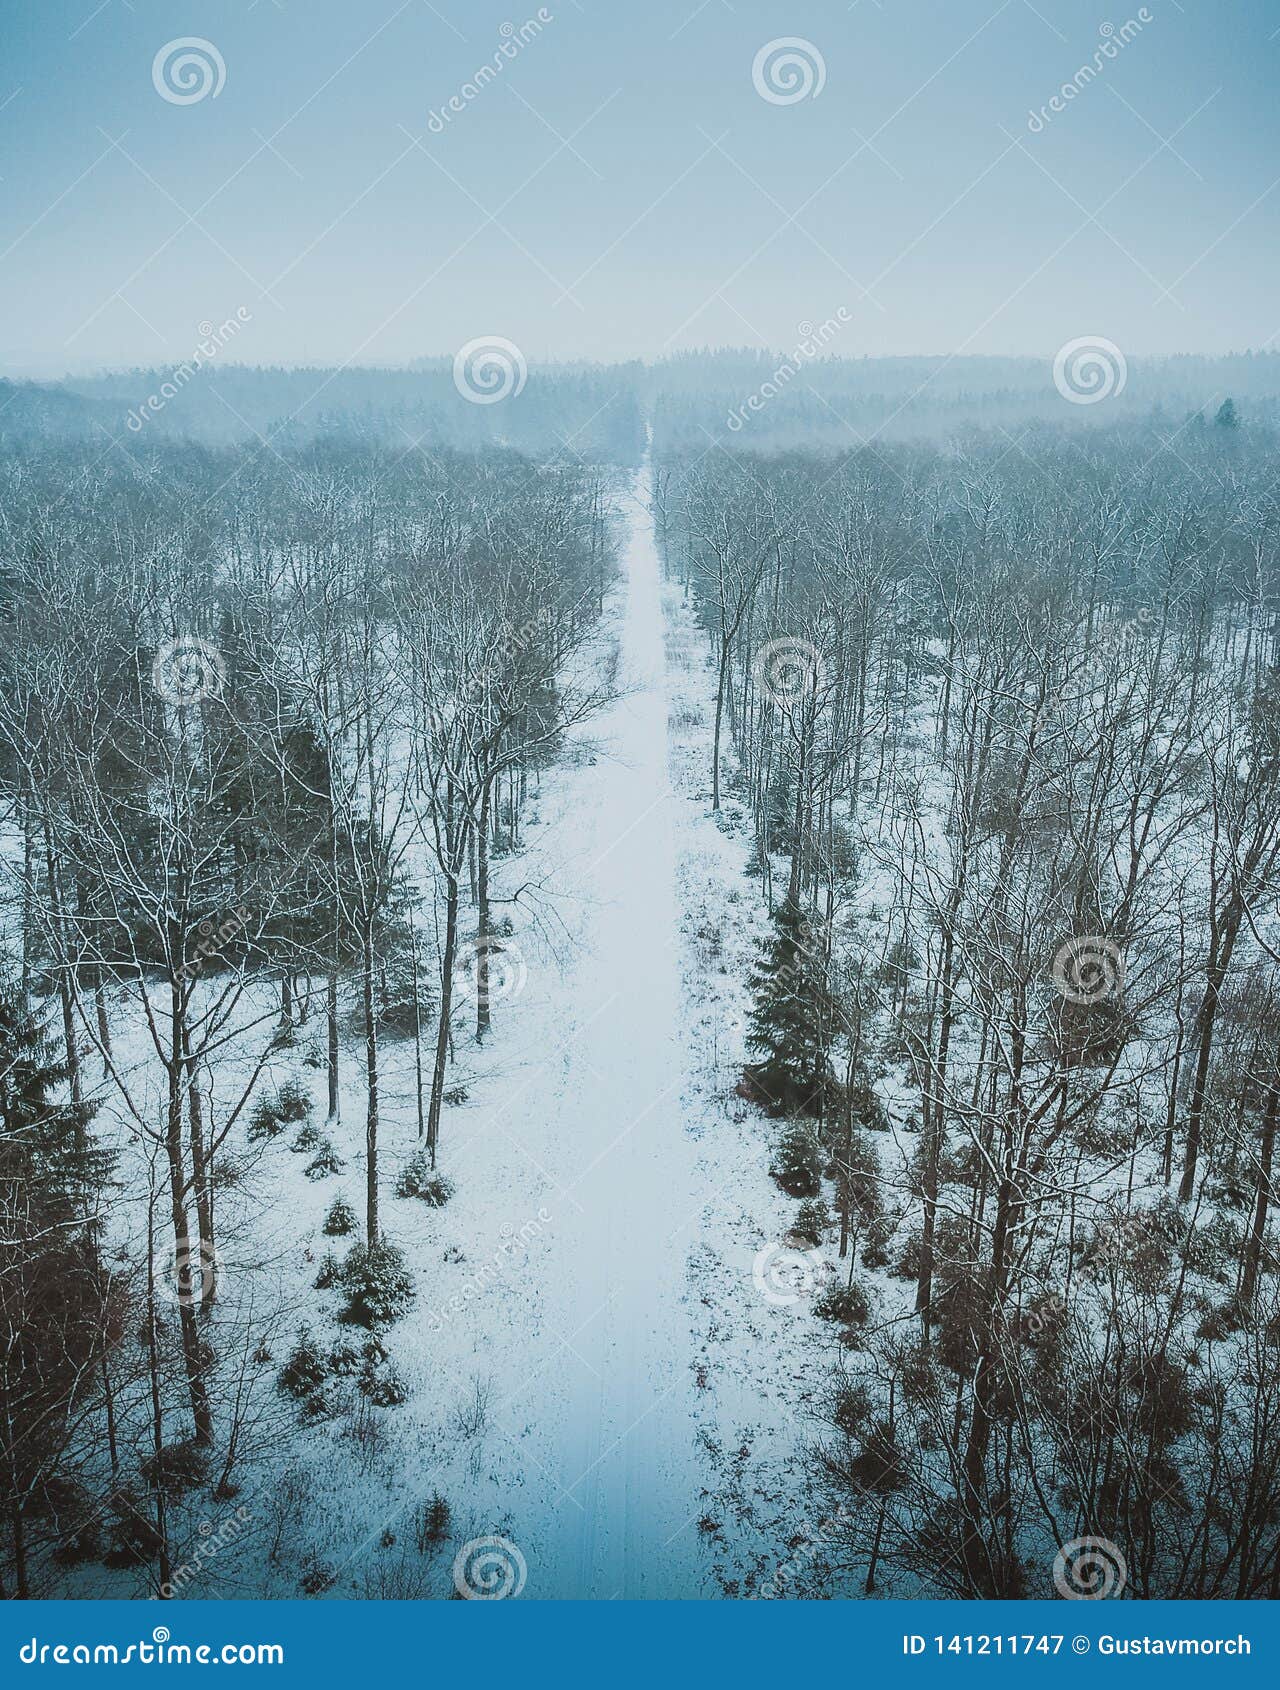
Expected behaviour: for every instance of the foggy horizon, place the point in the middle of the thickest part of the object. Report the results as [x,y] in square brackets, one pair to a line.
[602,188]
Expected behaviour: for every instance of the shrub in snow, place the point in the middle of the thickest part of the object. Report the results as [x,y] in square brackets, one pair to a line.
[305,1371]
[878,1466]
[907,1265]
[431,1522]
[277,1109]
[847,1304]
[326,1162]
[379,1287]
[797,1161]
[327,1277]
[419,1179]
[1220,1323]
[306,1138]
[317,1577]
[264,1123]
[875,1251]
[811,1222]
[850,1407]
[456,1095]
[383,1387]
[341,1218]
[177,1468]
[132,1539]
[1214,1248]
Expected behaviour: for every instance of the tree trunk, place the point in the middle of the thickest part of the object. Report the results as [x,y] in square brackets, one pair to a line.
[1257,1231]
[446,1009]
[484,936]
[715,738]
[371,1078]
[331,1021]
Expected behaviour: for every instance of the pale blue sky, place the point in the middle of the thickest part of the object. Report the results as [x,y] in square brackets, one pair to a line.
[622,189]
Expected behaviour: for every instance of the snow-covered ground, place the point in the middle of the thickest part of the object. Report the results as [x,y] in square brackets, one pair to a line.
[594,1374]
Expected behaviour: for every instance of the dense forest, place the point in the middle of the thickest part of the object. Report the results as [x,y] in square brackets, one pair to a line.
[971,703]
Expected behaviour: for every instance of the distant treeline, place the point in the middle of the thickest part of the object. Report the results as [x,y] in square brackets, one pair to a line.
[757,400]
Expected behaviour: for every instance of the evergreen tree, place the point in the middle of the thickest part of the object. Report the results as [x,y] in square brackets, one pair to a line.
[790,1021]
[56,1318]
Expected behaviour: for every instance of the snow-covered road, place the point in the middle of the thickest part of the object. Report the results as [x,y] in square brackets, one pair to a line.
[624,1440]
[612,1487]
